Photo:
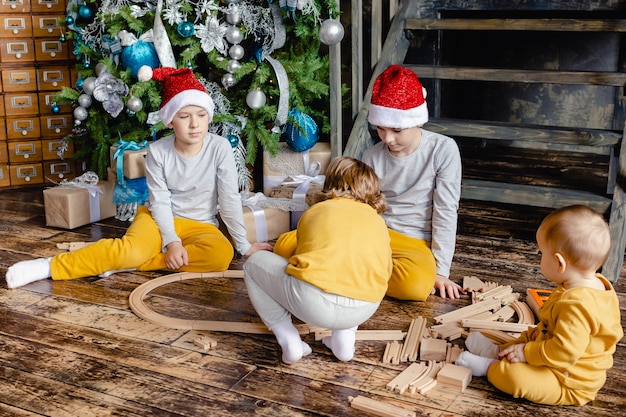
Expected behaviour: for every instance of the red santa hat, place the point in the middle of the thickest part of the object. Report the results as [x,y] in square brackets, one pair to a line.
[398,99]
[180,88]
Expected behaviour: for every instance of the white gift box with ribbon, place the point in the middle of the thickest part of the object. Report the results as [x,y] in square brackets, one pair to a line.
[289,163]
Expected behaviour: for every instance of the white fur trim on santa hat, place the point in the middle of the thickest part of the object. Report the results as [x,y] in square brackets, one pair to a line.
[397,118]
[185,98]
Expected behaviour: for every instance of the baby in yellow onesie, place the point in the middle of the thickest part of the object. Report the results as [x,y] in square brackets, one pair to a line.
[564,359]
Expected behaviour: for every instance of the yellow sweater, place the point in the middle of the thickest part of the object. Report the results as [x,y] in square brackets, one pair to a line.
[576,335]
[343,248]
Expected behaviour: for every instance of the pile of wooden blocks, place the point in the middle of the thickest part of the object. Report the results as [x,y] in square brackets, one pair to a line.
[492,308]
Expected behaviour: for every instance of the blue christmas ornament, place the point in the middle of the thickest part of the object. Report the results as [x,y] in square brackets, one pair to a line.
[300,132]
[69,20]
[234,140]
[186,29]
[55,108]
[79,84]
[139,54]
[85,12]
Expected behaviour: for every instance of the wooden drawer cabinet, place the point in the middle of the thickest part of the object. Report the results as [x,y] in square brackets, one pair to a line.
[46,26]
[17,51]
[5,179]
[51,50]
[14,80]
[25,152]
[14,6]
[57,171]
[16,26]
[53,78]
[53,149]
[21,104]
[4,156]
[56,126]
[26,174]
[46,100]
[23,128]
[34,66]
[49,6]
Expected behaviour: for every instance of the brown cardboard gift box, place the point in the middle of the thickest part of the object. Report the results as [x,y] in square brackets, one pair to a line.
[287,189]
[69,207]
[262,224]
[287,163]
[133,160]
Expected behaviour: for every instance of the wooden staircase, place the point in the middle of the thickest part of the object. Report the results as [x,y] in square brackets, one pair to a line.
[568,131]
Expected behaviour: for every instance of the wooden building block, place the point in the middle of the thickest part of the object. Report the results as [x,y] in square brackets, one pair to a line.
[413,338]
[472,309]
[392,352]
[471,283]
[454,376]
[433,349]
[379,408]
[401,382]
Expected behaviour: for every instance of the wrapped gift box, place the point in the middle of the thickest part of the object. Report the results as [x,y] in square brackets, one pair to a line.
[133,162]
[262,224]
[288,162]
[69,206]
[287,189]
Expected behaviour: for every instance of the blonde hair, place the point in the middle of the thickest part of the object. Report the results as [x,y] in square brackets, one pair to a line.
[350,178]
[578,233]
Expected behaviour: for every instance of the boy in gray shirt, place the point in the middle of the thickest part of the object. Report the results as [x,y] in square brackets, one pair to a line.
[420,176]
[189,175]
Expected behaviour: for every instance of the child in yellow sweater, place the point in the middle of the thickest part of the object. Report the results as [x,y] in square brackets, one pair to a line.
[338,274]
[564,359]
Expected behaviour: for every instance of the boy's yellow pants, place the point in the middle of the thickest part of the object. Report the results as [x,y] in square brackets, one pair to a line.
[140,248]
[414,268]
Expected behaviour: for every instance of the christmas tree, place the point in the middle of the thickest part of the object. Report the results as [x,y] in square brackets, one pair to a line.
[261,61]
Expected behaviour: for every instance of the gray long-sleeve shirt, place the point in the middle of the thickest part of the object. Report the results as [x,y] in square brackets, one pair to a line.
[195,188]
[422,192]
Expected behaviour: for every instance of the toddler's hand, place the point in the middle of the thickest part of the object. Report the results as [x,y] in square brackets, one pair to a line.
[514,353]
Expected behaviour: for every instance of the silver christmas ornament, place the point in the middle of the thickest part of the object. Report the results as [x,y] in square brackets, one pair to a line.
[236,52]
[100,67]
[331,32]
[256,99]
[227,2]
[84,100]
[80,113]
[89,84]
[228,80]
[233,66]
[234,35]
[234,15]
[134,104]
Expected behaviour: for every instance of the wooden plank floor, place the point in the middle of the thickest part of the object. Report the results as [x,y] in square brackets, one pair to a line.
[76,349]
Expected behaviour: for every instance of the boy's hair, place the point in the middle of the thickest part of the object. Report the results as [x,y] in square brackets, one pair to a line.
[578,233]
[351,178]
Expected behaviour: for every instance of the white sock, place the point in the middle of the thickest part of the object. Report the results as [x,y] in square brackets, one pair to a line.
[480,345]
[115,271]
[341,342]
[477,364]
[289,340]
[25,272]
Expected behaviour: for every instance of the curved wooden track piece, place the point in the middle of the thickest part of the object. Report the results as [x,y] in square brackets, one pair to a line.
[139,307]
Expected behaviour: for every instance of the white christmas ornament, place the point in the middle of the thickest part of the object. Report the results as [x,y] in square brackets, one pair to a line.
[84,100]
[89,84]
[236,52]
[134,104]
[331,32]
[80,113]
[255,99]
